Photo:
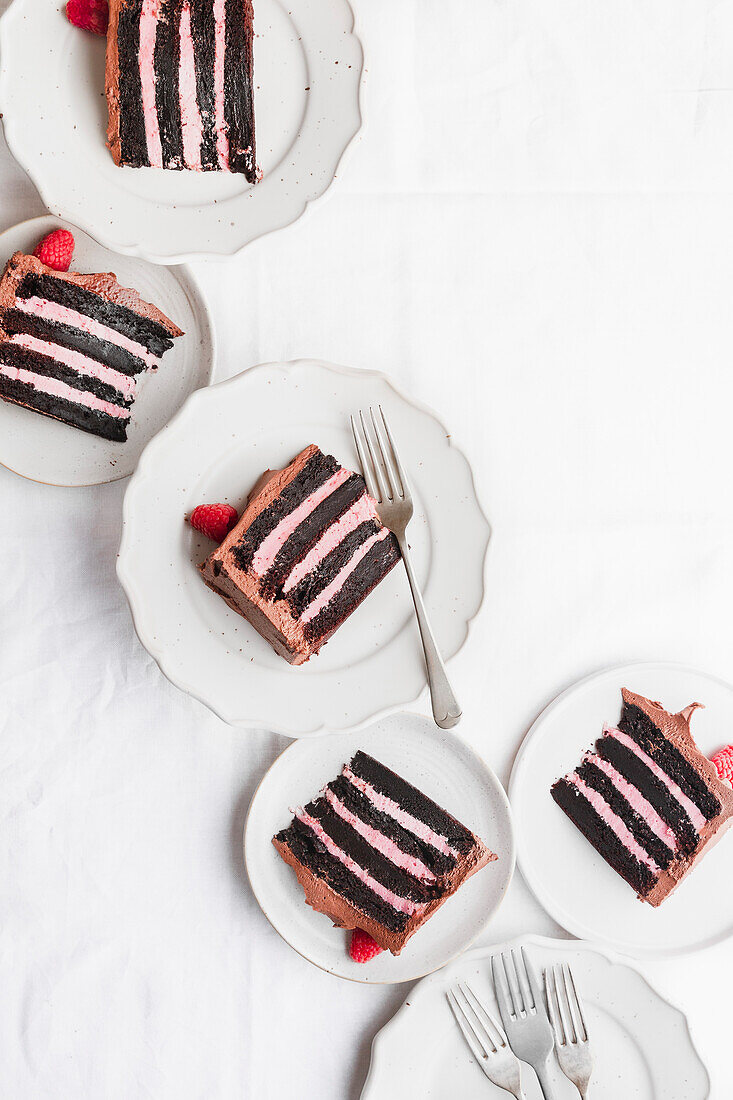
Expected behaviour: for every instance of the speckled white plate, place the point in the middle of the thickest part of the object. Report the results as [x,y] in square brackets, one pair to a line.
[642,1048]
[308,65]
[569,878]
[47,450]
[443,766]
[215,450]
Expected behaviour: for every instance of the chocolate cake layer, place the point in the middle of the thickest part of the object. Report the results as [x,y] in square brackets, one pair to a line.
[306,552]
[316,472]
[78,416]
[238,97]
[594,777]
[130,117]
[436,863]
[167,93]
[148,331]
[313,854]
[382,556]
[638,875]
[72,345]
[370,860]
[392,786]
[47,367]
[204,30]
[647,799]
[307,534]
[641,728]
[352,841]
[17,322]
[657,793]
[179,80]
[319,579]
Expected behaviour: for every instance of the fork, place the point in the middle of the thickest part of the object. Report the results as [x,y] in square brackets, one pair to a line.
[524,1015]
[387,483]
[487,1041]
[568,1023]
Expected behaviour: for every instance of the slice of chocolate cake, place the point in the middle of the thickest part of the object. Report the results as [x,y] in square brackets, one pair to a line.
[179,85]
[647,799]
[72,346]
[373,852]
[308,549]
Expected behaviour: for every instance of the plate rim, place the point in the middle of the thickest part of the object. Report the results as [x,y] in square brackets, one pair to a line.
[181,272]
[352,132]
[503,799]
[158,653]
[377,1055]
[627,951]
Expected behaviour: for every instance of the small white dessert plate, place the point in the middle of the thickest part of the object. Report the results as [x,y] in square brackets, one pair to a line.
[308,65]
[573,883]
[642,1049]
[215,450]
[44,449]
[444,768]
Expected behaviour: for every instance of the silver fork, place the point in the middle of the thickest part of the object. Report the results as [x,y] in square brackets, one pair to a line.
[524,1015]
[486,1040]
[568,1022]
[387,483]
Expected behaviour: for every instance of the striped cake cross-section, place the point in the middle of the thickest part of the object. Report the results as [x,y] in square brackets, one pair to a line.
[308,549]
[179,81]
[647,799]
[72,346]
[374,852]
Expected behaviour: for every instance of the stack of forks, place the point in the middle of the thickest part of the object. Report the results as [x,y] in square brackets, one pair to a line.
[534,1026]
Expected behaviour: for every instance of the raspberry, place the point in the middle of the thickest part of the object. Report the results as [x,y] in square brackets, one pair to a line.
[214,520]
[723,761]
[362,947]
[56,250]
[90,15]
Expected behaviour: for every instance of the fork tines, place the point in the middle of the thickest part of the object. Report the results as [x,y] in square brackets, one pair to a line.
[572,1041]
[383,471]
[565,1006]
[486,1040]
[516,983]
[481,1033]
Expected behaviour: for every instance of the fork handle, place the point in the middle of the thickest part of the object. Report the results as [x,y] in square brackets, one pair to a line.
[546,1084]
[446,711]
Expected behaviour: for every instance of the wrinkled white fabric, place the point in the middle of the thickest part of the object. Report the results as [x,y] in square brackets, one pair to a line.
[533,235]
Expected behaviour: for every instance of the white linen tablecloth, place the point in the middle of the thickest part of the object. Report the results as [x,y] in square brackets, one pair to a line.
[534,235]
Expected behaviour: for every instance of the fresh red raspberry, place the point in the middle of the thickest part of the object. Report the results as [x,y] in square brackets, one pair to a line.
[56,250]
[214,520]
[723,761]
[90,15]
[362,947]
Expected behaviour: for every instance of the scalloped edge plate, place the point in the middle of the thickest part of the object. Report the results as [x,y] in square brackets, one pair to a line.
[308,78]
[423,1032]
[261,418]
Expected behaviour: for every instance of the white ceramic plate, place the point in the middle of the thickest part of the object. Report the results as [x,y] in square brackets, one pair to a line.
[47,450]
[567,875]
[308,65]
[448,771]
[215,450]
[642,1048]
